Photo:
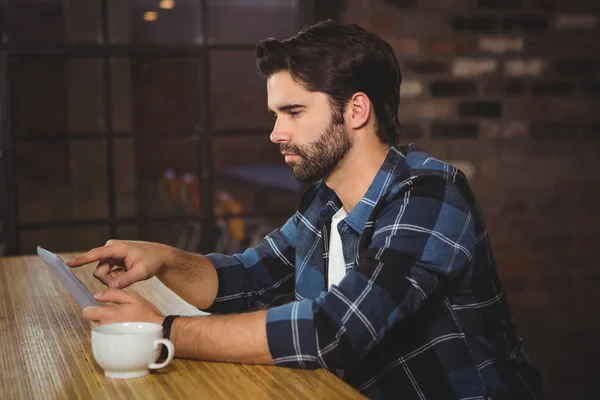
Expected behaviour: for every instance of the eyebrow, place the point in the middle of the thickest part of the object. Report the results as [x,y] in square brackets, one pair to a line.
[286,107]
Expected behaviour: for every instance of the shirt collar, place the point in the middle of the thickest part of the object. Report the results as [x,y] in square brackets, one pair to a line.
[357,218]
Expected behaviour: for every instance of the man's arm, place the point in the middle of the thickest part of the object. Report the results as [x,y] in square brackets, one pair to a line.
[239,338]
[216,283]
[191,276]
[219,283]
[258,275]
[123,262]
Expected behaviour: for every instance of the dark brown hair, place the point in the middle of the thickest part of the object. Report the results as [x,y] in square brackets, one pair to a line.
[340,60]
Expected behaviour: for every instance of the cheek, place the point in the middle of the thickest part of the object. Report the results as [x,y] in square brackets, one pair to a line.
[311,129]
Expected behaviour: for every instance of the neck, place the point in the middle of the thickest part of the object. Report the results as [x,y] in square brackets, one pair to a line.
[355,173]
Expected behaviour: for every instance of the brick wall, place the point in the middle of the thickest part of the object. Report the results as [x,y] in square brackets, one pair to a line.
[512,89]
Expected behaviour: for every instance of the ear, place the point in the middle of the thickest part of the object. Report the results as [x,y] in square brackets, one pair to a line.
[359,110]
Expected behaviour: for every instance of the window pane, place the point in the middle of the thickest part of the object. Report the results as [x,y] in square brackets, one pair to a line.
[54,21]
[168,233]
[161,165]
[233,234]
[61,181]
[64,239]
[238,93]
[146,21]
[121,94]
[64,95]
[250,170]
[254,20]
[237,234]
[165,96]
[125,177]
[39,88]
[128,232]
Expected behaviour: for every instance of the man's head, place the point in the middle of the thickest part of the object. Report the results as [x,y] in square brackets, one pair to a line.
[312,80]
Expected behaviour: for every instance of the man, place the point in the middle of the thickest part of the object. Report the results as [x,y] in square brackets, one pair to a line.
[395,288]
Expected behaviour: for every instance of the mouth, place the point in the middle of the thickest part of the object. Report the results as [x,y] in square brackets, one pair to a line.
[290,157]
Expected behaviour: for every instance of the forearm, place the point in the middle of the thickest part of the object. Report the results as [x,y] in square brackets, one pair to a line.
[239,338]
[192,276]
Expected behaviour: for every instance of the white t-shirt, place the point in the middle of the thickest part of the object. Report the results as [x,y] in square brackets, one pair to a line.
[337,265]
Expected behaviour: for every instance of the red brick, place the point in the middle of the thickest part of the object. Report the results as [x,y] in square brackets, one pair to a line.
[426,109]
[379,24]
[452,45]
[558,108]
[552,44]
[567,6]
[424,66]
[504,129]
[405,46]
[500,4]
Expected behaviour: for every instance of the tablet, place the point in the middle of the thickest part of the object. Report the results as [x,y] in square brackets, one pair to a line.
[67,278]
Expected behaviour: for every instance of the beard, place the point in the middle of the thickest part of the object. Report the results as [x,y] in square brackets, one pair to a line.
[318,159]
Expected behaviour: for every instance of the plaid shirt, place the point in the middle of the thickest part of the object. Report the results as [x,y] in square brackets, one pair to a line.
[420,313]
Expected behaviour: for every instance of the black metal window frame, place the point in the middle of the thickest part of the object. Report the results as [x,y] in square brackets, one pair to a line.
[203,132]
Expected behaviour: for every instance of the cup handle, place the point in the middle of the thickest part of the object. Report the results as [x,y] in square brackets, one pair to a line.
[170,356]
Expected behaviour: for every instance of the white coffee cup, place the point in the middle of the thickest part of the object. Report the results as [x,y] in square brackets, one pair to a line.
[128,349]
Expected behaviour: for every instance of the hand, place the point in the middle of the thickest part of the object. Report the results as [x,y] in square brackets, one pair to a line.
[131,307]
[122,263]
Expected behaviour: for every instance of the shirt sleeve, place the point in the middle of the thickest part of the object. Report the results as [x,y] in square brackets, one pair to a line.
[259,274]
[422,237]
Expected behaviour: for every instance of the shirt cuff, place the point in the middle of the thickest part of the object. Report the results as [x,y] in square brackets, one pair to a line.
[231,293]
[291,335]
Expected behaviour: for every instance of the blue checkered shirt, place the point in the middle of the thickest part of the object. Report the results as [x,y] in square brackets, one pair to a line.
[420,313]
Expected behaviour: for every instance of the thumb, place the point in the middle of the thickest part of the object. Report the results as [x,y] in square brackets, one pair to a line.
[114,296]
[128,278]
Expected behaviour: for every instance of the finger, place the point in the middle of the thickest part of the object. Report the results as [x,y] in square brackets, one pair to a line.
[111,250]
[117,272]
[116,296]
[127,278]
[103,272]
[96,313]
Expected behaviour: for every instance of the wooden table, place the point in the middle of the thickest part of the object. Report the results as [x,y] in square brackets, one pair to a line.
[45,350]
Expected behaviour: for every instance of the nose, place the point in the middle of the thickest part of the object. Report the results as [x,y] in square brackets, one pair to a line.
[279,134]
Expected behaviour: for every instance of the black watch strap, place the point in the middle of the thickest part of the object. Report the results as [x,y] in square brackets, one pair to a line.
[166,325]
[166,328]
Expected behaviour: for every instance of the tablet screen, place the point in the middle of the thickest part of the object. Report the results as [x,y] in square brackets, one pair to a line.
[67,278]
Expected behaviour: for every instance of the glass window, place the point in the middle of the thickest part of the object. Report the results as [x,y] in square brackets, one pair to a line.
[254,20]
[165,96]
[167,22]
[61,181]
[161,170]
[121,94]
[177,234]
[125,178]
[63,239]
[234,235]
[54,21]
[257,177]
[39,88]
[238,93]
[64,95]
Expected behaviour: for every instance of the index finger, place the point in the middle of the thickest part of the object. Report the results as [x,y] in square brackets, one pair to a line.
[97,254]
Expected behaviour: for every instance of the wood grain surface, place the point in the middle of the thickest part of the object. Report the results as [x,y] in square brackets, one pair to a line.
[45,350]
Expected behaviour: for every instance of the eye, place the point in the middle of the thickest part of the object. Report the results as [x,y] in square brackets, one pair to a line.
[274,117]
[295,113]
